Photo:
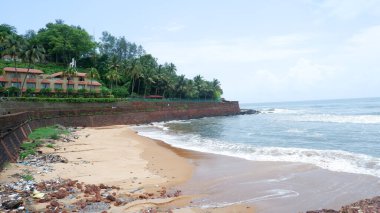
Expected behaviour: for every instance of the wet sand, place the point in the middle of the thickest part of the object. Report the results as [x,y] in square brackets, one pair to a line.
[274,186]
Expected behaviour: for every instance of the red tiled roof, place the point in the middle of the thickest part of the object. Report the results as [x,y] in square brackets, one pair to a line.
[22,70]
[31,80]
[70,82]
[82,82]
[2,79]
[16,80]
[79,74]
[154,96]
[58,82]
[45,81]
[94,83]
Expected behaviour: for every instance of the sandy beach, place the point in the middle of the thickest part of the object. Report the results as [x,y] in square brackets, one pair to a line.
[153,175]
[117,156]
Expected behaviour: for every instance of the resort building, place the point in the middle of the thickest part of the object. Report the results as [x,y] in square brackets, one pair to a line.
[37,80]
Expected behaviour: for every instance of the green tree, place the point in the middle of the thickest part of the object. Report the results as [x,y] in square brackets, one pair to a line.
[113,76]
[93,74]
[69,73]
[31,54]
[63,42]
[135,72]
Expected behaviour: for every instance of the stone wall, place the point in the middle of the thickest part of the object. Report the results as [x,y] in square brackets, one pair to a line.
[15,127]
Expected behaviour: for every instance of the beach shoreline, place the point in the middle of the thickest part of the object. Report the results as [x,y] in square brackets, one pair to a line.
[118,156]
[194,181]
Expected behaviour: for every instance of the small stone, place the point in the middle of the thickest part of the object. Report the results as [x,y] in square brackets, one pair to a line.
[12,204]
[110,198]
[54,203]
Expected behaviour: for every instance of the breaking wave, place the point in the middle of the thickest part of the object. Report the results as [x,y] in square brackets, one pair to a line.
[333,160]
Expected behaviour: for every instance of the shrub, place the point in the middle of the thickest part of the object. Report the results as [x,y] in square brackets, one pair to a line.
[30,91]
[13,91]
[70,91]
[120,92]
[45,92]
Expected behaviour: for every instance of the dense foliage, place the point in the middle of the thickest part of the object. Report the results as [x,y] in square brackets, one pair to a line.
[123,66]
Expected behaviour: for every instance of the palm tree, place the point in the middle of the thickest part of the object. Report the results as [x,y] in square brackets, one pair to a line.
[113,76]
[68,74]
[217,89]
[13,47]
[93,74]
[136,72]
[32,54]
[180,85]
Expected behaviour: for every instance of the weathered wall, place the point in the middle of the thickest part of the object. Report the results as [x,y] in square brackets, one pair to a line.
[14,128]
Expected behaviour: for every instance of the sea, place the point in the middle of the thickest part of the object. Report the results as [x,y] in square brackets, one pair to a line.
[336,135]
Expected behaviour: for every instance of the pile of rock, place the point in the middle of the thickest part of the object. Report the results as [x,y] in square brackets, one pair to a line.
[363,206]
[42,161]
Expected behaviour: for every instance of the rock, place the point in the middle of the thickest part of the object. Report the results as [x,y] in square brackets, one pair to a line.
[54,203]
[248,112]
[110,198]
[12,204]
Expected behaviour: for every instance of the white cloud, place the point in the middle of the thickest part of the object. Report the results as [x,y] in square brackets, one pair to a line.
[349,9]
[240,50]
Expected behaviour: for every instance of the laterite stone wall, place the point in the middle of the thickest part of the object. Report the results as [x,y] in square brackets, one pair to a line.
[24,117]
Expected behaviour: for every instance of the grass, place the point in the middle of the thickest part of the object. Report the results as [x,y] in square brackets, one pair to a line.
[51,132]
[30,148]
[27,177]
[51,146]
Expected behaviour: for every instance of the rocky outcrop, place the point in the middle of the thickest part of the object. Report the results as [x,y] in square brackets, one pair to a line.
[248,112]
[363,206]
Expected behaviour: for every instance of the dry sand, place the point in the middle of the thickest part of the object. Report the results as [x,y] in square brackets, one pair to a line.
[117,156]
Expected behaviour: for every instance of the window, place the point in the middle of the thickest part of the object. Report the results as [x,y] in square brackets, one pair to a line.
[45,85]
[81,79]
[2,84]
[81,86]
[31,85]
[16,84]
[57,86]
[15,75]
[31,76]
[70,86]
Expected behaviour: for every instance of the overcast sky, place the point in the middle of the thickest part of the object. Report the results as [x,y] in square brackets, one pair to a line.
[261,51]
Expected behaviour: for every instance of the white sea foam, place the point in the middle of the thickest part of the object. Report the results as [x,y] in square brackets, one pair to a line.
[356,119]
[302,115]
[281,111]
[333,160]
[269,195]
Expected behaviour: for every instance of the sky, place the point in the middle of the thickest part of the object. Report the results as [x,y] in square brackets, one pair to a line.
[261,51]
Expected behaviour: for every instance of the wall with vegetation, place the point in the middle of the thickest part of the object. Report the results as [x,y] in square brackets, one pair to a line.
[25,117]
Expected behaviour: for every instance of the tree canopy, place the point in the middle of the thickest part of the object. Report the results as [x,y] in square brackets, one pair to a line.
[122,65]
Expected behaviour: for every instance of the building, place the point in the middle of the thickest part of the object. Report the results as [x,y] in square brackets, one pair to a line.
[37,80]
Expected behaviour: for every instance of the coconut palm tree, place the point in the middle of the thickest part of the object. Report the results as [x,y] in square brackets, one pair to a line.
[32,54]
[93,74]
[13,47]
[180,85]
[113,76]
[135,72]
[68,74]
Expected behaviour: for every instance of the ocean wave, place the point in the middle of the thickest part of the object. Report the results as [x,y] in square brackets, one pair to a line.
[269,195]
[333,160]
[280,111]
[356,119]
